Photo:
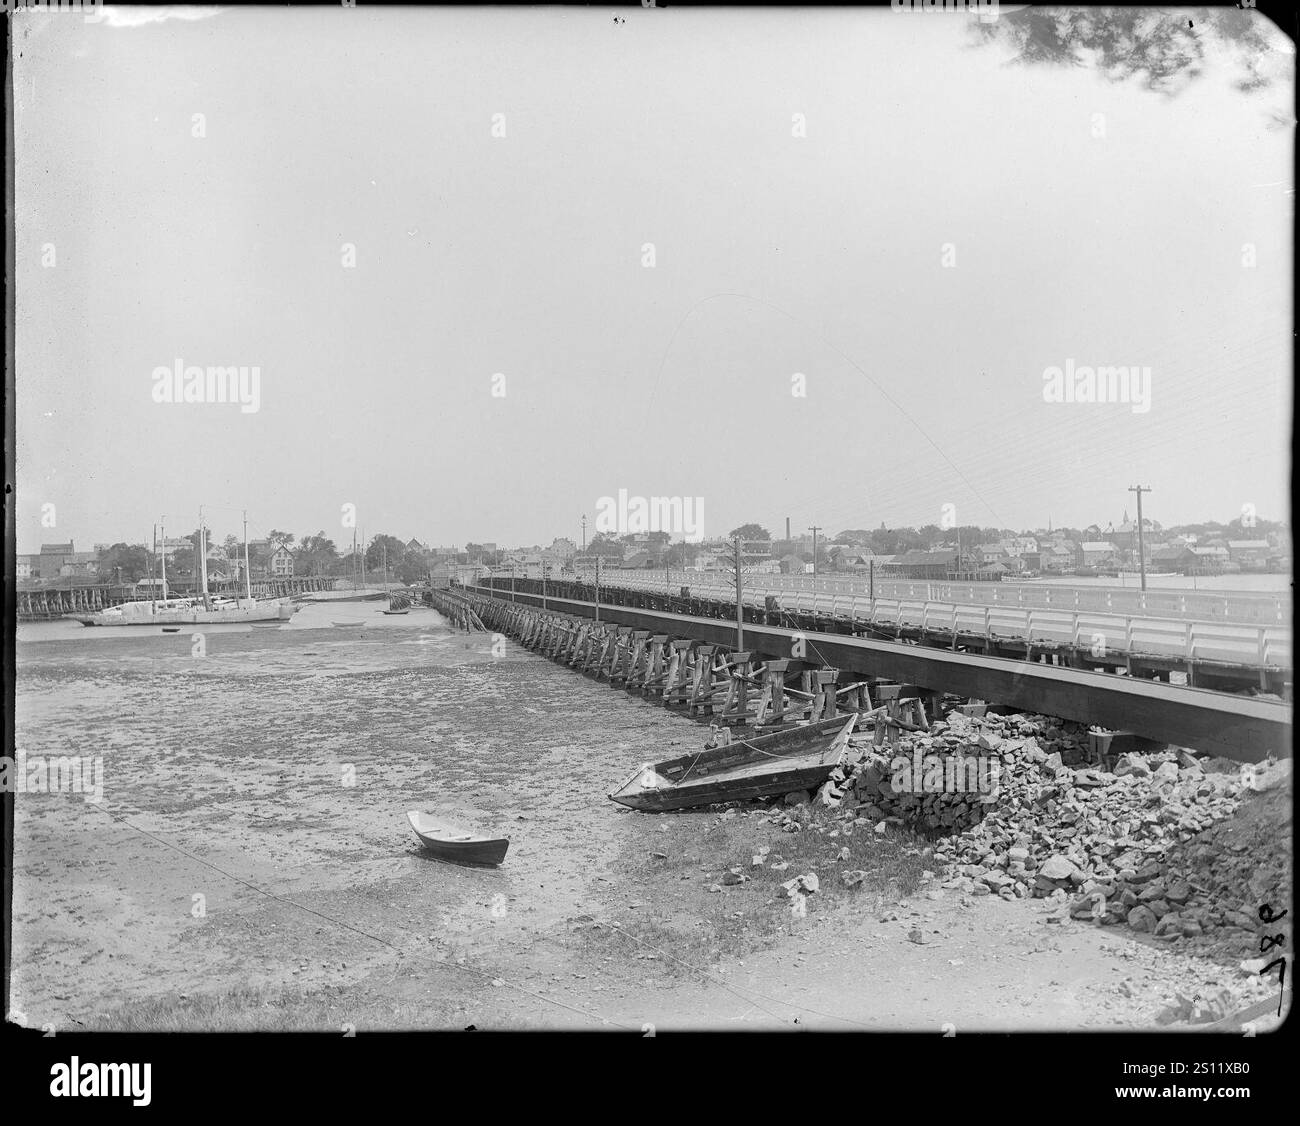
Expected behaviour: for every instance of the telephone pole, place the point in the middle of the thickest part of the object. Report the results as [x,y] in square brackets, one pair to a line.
[740,604]
[814,529]
[1142,559]
[584,535]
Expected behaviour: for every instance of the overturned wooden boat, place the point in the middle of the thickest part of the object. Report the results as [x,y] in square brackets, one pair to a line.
[798,759]
[347,625]
[451,842]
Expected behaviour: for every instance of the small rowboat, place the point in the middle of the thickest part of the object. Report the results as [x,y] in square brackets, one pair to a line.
[394,611]
[171,629]
[348,625]
[451,842]
[799,759]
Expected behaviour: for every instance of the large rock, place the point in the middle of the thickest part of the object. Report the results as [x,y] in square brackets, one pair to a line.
[1057,868]
[1142,919]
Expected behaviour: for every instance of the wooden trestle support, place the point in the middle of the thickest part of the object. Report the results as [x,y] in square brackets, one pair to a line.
[733,688]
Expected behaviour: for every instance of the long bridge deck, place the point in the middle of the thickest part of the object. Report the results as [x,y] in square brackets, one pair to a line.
[1235,726]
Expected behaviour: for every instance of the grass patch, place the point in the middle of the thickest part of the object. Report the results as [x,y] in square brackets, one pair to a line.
[247,1009]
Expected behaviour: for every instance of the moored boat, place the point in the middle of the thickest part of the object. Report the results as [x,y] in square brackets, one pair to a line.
[189,611]
[798,759]
[451,842]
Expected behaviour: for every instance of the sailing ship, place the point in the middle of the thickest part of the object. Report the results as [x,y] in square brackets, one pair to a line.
[202,610]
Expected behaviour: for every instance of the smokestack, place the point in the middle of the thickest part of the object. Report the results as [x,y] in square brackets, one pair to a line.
[787,528]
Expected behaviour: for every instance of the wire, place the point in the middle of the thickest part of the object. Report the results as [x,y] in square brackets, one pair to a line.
[349,927]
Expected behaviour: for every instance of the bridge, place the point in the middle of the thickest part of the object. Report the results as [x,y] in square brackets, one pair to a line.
[1164,641]
[1042,677]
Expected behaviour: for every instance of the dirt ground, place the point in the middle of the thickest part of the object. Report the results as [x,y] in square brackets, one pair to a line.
[271,881]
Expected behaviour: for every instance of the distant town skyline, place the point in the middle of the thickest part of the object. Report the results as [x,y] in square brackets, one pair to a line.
[217,536]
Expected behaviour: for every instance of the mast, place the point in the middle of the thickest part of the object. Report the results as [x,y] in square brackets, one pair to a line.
[162,559]
[363,561]
[248,576]
[203,560]
[385,547]
[153,594]
[354,559]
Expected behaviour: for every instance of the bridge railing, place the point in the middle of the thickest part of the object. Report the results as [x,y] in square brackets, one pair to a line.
[1101,633]
[1232,606]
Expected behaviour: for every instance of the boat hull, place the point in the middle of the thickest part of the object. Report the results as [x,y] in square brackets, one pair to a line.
[689,797]
[440,839]
[799,759]
[277,611]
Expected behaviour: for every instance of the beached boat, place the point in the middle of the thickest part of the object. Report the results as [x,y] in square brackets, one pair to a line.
[798,759]
[347,625]
[451,842]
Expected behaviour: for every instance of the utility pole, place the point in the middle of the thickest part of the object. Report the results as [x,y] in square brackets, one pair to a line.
[1142,559]
[814,529]
[584,535]
[598,590]
[740,604]
[543,582]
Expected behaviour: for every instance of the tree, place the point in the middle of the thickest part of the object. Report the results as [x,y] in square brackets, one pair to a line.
[276,537]
[1165,49]
[385,551]
[750,532]
[316,555]
[126,563]
[234,547]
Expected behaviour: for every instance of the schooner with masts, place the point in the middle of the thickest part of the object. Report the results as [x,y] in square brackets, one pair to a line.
[203,609]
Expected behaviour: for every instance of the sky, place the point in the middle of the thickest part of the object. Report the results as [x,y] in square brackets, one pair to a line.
[491,266]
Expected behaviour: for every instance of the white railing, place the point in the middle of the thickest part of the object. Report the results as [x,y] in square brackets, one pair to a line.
[1242,607]
[1101,633]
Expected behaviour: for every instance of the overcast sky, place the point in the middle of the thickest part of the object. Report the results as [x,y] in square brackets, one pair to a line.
[522,254]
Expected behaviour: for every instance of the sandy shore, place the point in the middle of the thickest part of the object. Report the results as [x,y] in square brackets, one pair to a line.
[268,877]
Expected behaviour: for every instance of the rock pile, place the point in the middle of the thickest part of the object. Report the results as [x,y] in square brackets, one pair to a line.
[1120,846]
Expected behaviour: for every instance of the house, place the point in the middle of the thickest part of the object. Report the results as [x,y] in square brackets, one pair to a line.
[280,563]
[1096,553]
[1249,553]
[710,561]
[991,553]
[1125,537]
[1173,557]
[637,560]
[1019,546]
[1209,559]
[921,565]
[562,549]
[864,562]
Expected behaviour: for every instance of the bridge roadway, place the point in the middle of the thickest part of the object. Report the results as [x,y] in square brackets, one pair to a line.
[1226,651]
[1237,606]
[1243,728]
